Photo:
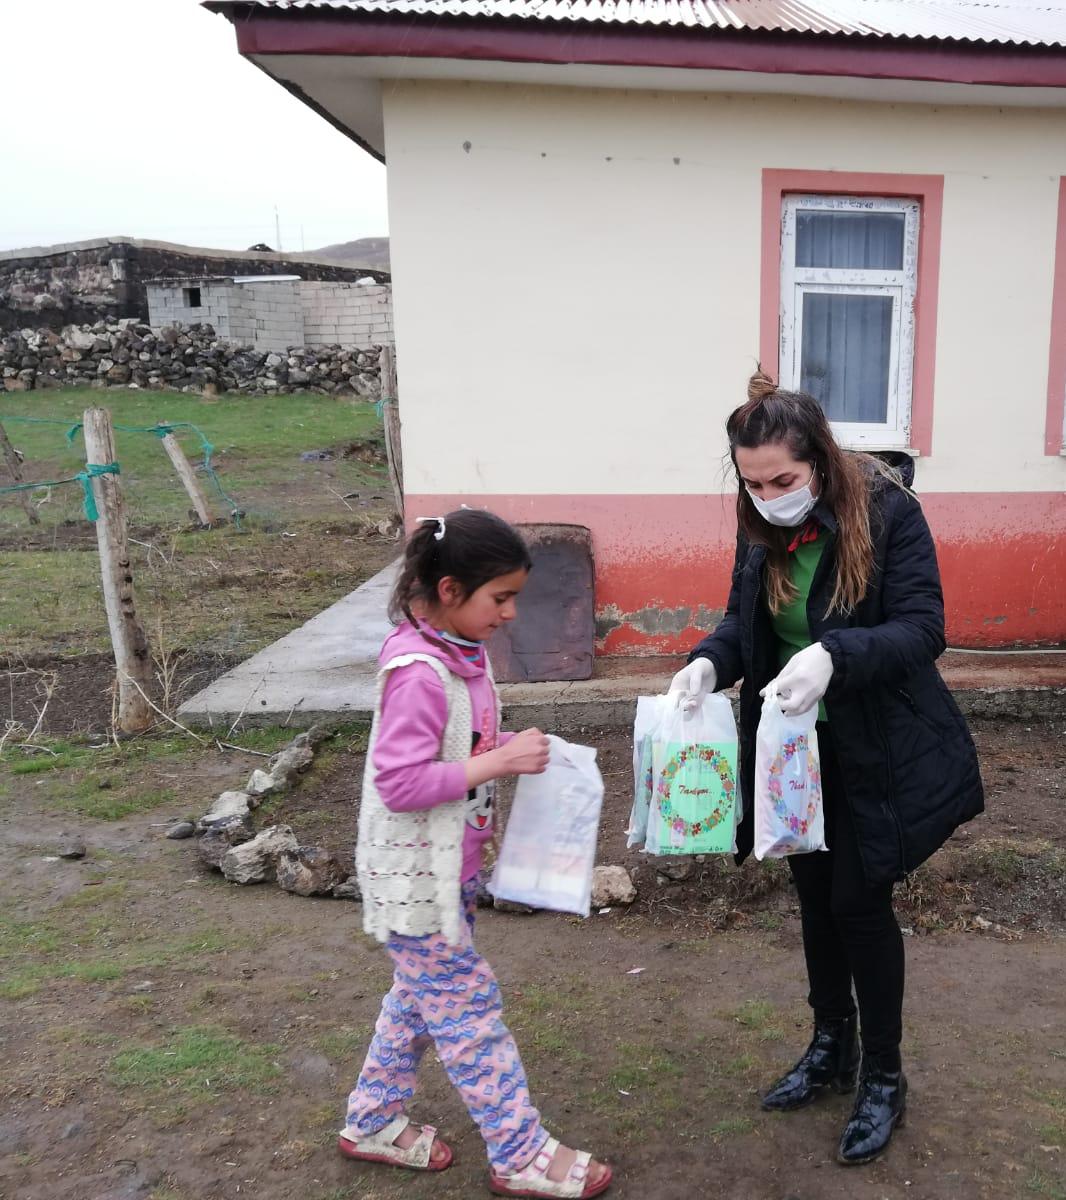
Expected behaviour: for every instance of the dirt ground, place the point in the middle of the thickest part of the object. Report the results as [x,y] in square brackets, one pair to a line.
[165,1034]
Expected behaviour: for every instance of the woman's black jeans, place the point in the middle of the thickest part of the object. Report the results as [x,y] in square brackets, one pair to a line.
[850,933]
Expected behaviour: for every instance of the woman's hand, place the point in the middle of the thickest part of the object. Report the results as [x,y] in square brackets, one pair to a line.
[692,683]
[804,680]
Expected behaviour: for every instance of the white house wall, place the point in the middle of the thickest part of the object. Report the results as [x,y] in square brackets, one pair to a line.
[577,307]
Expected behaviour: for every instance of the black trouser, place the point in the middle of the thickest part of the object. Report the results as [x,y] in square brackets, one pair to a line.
[850,932]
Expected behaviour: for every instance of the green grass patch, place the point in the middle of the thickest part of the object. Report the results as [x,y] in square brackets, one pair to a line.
[227,590]
[1041,1184]
[760,1018]
[257,439]
[731,1127]
[642,1067]
[86,938]
[197,1062]
[739,1067]
[345,1044]
[86,799]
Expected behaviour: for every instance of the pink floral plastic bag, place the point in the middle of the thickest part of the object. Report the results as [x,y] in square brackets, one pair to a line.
[788,783]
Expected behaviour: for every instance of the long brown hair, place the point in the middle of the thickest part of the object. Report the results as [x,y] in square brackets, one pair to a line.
[798,421]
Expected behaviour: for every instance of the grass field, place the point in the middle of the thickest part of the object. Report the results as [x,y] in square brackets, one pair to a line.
[297,546]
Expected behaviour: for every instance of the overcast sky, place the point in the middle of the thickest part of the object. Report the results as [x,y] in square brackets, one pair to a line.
[138,117]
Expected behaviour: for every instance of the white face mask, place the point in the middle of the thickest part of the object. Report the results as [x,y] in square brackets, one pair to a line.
[787,510]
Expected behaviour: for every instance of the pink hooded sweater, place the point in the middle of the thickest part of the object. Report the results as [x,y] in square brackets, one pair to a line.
[413,715]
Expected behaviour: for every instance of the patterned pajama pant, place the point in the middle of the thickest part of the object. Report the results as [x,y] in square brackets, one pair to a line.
[447,995]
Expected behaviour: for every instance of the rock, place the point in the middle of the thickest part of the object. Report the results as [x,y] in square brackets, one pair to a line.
[256,861]
[77,338]
[348,890]
[315,736]
[612,885]
[183,829]
[145,985]
[509,906]
[74,1129]
[311,871]
[675,869]
[260,783]
[292,761]
[229,804]
[75,848]
[220,838]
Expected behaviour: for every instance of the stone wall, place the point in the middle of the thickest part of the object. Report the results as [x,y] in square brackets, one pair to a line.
[129,353]
[78,282]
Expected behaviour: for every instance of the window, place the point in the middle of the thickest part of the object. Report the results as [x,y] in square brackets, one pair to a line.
[191,296]
[849,273]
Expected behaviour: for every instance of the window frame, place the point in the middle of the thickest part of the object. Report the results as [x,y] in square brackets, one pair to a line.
[1055,432]
[901,285]
[928,191]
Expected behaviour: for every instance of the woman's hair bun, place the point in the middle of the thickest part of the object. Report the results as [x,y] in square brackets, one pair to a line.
[760,385]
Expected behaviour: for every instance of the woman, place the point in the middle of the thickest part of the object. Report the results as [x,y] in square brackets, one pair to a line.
[836,596]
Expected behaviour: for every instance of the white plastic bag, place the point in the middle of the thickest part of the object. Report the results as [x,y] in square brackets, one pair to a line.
[694,775]
[788,783]
[650,711]
[549,845]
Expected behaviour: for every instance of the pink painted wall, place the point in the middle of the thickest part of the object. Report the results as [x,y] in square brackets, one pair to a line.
[663,563]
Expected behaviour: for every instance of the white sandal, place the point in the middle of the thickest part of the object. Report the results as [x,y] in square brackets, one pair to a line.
[381,1147]
[532,1180]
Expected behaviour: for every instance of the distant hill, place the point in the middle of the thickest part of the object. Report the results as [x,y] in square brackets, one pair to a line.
[367,252]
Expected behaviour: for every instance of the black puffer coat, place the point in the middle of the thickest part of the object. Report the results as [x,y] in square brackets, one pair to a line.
[907,759]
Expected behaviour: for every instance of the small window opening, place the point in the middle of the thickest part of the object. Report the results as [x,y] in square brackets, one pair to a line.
[192,297]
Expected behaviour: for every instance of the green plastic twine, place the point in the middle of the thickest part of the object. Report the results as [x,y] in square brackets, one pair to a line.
[160,431]
[92,471]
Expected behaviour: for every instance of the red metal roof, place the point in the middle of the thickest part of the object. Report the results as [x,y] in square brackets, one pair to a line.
[1022,23]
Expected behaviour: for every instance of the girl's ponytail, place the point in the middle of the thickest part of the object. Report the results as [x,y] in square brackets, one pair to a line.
[417,556]
[468,545]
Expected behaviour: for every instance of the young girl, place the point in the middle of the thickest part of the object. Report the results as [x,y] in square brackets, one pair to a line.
[427,812]
[836,598]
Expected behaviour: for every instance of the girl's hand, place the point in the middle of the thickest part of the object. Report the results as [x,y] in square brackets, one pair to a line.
[526,753]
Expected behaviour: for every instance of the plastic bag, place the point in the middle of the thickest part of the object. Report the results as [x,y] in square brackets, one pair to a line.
[650,712]
[694,771]
[788,783]
[549,845]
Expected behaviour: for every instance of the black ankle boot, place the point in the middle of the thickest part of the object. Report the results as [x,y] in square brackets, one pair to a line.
[879,1107]
[831,1060]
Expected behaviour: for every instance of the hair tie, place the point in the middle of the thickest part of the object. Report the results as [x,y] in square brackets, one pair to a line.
[439,535]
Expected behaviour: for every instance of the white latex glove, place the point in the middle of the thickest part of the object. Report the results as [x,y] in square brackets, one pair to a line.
[692,683]
[804,679]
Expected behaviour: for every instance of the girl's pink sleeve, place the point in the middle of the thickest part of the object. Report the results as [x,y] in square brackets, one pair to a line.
[503,738]
[413,715]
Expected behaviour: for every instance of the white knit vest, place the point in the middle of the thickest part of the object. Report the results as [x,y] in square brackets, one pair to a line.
[409,863]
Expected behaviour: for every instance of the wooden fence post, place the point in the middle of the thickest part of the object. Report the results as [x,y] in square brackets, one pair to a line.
[188,478]
[391,414]
[14,468]
[133,656]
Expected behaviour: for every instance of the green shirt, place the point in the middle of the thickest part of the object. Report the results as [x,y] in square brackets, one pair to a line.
[790,624]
